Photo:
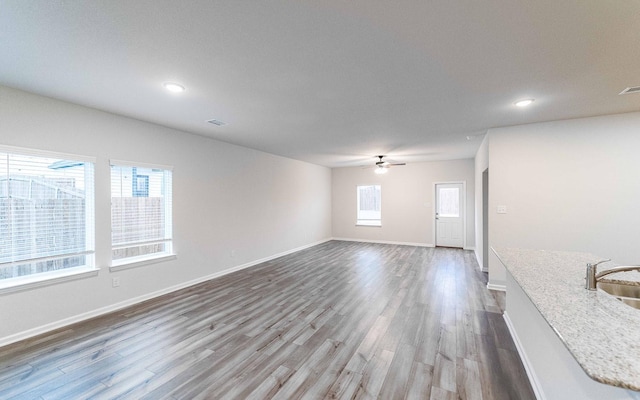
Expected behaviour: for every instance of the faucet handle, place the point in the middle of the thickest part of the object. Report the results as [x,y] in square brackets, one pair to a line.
[590,280]
[598,263]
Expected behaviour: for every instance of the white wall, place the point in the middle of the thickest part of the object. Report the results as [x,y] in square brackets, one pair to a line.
[567,185]
[225,198]
[407,201]
[481,163]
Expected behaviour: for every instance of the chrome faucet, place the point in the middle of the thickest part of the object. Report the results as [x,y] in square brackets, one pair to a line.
[593,276]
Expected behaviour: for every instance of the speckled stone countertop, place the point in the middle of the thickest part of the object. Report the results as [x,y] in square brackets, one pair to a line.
[601,333]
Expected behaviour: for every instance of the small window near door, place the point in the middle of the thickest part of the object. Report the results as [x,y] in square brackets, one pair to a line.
[449,202]
[369,205]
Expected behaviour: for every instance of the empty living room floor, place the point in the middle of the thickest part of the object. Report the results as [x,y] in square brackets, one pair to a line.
[338,320]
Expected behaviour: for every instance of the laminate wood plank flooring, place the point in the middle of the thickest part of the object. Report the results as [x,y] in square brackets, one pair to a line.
[341,320]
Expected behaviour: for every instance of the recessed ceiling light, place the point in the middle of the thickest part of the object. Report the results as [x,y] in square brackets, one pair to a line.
[173,87]
[523,102]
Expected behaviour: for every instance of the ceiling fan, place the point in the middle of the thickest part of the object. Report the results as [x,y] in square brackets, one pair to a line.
[383,166]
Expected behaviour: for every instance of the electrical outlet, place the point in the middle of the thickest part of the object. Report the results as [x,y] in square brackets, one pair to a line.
[502,209]
[115,282]
[232,253]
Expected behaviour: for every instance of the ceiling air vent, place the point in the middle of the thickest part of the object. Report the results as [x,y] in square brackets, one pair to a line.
[216,122]
[633,89]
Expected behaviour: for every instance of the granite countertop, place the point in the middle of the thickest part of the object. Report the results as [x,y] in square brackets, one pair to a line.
[601,333]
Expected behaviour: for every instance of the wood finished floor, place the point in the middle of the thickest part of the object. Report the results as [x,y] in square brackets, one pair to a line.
[340,320]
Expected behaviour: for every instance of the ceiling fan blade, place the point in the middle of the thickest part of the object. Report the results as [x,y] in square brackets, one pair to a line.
[392,164]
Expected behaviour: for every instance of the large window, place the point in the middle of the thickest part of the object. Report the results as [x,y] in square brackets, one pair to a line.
[141,223]
[46,215]
[369,202]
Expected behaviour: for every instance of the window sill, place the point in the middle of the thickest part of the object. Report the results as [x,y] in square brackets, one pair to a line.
[45,279]
[136,262]
[369,223]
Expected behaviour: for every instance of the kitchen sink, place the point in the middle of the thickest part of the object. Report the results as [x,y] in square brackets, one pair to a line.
[628,294]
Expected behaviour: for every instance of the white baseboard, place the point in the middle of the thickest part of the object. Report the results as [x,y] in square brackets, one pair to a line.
[127,303]
[394,242]
[493,286]
[483,268]
[533,379]
[385,242]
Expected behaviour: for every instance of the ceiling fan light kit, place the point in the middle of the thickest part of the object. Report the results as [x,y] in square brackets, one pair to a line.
[380,170]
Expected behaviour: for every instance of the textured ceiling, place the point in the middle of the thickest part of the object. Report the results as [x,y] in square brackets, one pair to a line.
[330,82]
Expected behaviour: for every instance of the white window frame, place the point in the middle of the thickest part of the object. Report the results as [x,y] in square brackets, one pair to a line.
[41,279]
[360,220]
[168,254]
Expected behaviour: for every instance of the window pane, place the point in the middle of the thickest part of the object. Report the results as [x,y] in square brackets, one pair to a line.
[140,212]
[449,202]
[46,214]
[369,203]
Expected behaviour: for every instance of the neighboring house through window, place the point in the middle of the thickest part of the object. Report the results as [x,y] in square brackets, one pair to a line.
[141,212]
[46,216]
[369,203]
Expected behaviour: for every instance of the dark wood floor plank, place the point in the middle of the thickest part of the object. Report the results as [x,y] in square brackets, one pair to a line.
[341,320]
[492,371]
[517,381]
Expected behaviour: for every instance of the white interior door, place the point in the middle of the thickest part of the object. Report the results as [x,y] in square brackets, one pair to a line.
[449,215]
